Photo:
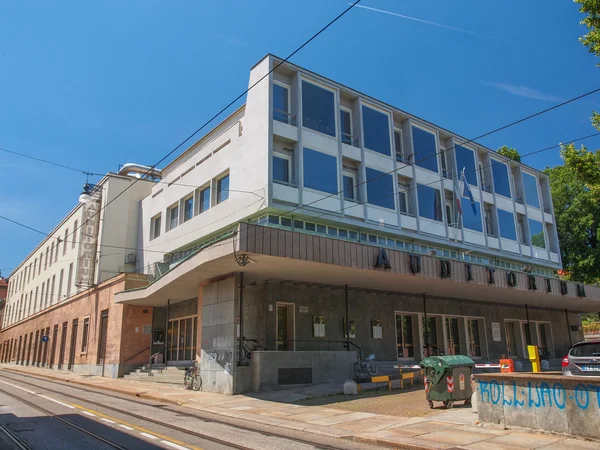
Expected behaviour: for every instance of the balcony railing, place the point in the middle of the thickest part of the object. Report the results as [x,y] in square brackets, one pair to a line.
[349,139]
[284,116]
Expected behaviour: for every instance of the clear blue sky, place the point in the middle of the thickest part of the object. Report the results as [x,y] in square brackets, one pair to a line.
[98,84]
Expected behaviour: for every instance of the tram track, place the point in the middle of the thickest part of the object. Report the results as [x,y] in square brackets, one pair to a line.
[155,421]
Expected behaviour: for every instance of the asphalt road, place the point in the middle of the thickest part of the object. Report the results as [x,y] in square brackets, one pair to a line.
[40,414]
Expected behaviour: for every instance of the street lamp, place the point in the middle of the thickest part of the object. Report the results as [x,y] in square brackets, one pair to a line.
[85,196]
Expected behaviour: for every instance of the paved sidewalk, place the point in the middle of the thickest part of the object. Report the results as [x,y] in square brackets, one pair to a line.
[447,429]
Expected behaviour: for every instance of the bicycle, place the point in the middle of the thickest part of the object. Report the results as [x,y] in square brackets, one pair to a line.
[250,345]
[191,378]
[366,365]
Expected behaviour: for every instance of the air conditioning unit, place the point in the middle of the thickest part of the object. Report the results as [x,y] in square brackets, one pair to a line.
[131,258]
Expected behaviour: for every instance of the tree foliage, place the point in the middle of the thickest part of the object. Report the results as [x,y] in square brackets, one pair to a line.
[576,197]
[592,21]
[510,152]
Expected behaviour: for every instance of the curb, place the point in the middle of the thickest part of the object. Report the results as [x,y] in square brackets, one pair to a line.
[391,444]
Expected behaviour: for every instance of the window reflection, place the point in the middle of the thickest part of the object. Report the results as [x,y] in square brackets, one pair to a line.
[280,103]
[425,149]
[465,159]
[471,219]
[430,203]
[380,188]
[320,171]
[506,220]
[531,192]
[318,112]
[376,131]
[501,179]
[536,231]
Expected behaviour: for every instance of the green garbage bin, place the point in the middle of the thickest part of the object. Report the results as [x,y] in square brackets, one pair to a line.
[448,379]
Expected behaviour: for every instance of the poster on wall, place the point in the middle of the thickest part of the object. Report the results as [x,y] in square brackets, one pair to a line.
[350,327]
[377,329]
[496,335]
[319,326]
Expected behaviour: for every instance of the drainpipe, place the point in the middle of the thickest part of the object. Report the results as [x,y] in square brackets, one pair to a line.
[568,328]
[347,321]
[241,318]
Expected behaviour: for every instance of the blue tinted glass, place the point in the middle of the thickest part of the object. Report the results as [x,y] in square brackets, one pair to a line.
[346,126]
[531,193]
[380,188]
[348,187]
[536,231]
[377,131]
[425,149]
[506,220]
[223,189]
[320,171]
[318,112]
[280,103]
[188,209]
[471,219]
[501,180]
[204,199]
[281,169]
[465,159]
[430,204]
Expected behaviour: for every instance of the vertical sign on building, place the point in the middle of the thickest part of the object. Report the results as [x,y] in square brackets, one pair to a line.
[88,241]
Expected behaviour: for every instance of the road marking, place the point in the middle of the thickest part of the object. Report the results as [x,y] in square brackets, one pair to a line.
[18,387]
[56,401]
[171,444]
[143,431]
[88,414]
[149,436]
[108,420]
[126,427]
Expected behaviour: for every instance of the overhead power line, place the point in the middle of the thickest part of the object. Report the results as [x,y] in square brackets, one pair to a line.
[52,163]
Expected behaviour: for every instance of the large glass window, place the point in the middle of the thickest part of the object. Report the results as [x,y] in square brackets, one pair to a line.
[281,103]
[501,179]
[376,128]
[536,231]
[350,184]
[465,159]
[404,336]
[155,227]
[320,171]
[506,221]
[346,125]
[204,200]
[474,338]
[318,109]
[471,218]
[531,192]
[425,149]
[188,208]
[282,167]
[403,197]
[223,189]
[380,188]
[173,217]
[430,202]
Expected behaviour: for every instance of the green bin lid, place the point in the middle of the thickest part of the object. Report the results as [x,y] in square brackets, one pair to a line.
[441,363]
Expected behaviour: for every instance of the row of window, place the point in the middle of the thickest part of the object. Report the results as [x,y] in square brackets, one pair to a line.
[46,259]
[318,114]
[191,205]
[178,256]
[385,241]
[43,296]
[321,173]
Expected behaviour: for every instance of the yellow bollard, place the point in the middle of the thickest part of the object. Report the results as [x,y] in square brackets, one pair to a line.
[534,357]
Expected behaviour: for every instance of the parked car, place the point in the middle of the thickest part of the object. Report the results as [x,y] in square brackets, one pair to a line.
[583,359]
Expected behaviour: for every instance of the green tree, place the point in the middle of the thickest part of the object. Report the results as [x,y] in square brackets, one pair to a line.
[510,153]
[576,197]
[591,39]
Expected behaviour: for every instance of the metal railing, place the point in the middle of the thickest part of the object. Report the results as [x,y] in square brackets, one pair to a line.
[290,118]
[137,354]
[349,139]
[150,363]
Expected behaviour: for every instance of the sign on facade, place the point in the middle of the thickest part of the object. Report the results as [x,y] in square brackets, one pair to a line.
[303,309]
[319,326]
[88,241]
[496,335]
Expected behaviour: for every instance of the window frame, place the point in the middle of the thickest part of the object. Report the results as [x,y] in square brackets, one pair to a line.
[288,155]
[153,221]
[305,167]
[85,335]
[182,209]
[74,230]
[405,193]
[335,97]
[289,101]
[169,224]
[218,194]
[389,123]
[537,189]
[401,152]
[350,172]
[475,165]
[342,133]
[437,146]
[198,202]
[508,175]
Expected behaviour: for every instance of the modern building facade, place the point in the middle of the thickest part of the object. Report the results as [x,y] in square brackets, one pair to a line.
[318,220]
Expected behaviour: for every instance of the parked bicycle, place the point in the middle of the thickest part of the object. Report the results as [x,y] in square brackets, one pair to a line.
[191,378]
[250,345]
[367,365]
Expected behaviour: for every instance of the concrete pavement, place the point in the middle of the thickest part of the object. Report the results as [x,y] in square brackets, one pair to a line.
[456,428]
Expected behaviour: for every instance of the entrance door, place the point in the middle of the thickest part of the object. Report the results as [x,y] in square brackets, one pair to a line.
[528,334]
[453,336]
[474,338]
[73,344]
[404,336]
[285,327]
[29,349]
[181,339]
[24,351]
[545,337]
[45,344]
[53,351]
[512,341]
[103,336]
[63,345]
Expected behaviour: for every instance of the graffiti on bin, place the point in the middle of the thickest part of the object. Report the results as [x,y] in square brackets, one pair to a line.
[538,395]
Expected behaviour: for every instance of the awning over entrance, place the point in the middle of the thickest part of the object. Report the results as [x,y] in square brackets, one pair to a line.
[287,255]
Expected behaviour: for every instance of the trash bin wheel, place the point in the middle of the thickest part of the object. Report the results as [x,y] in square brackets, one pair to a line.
[430,403]
[448,404]
[468,402]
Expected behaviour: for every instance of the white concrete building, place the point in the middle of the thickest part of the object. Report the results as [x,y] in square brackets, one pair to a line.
[74,257]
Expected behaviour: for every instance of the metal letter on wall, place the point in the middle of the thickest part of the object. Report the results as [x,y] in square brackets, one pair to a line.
[511,278]
[88,241]
[490,272]
[564,288]
[469,272]
[548,285]
[445,268]
[415,263]
[532,283]
[382,260]
[581,290]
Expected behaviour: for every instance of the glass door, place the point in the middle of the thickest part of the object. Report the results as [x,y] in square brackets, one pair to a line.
[453,336]
[404,336]
[511,339]
[181,339]
[474,338]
